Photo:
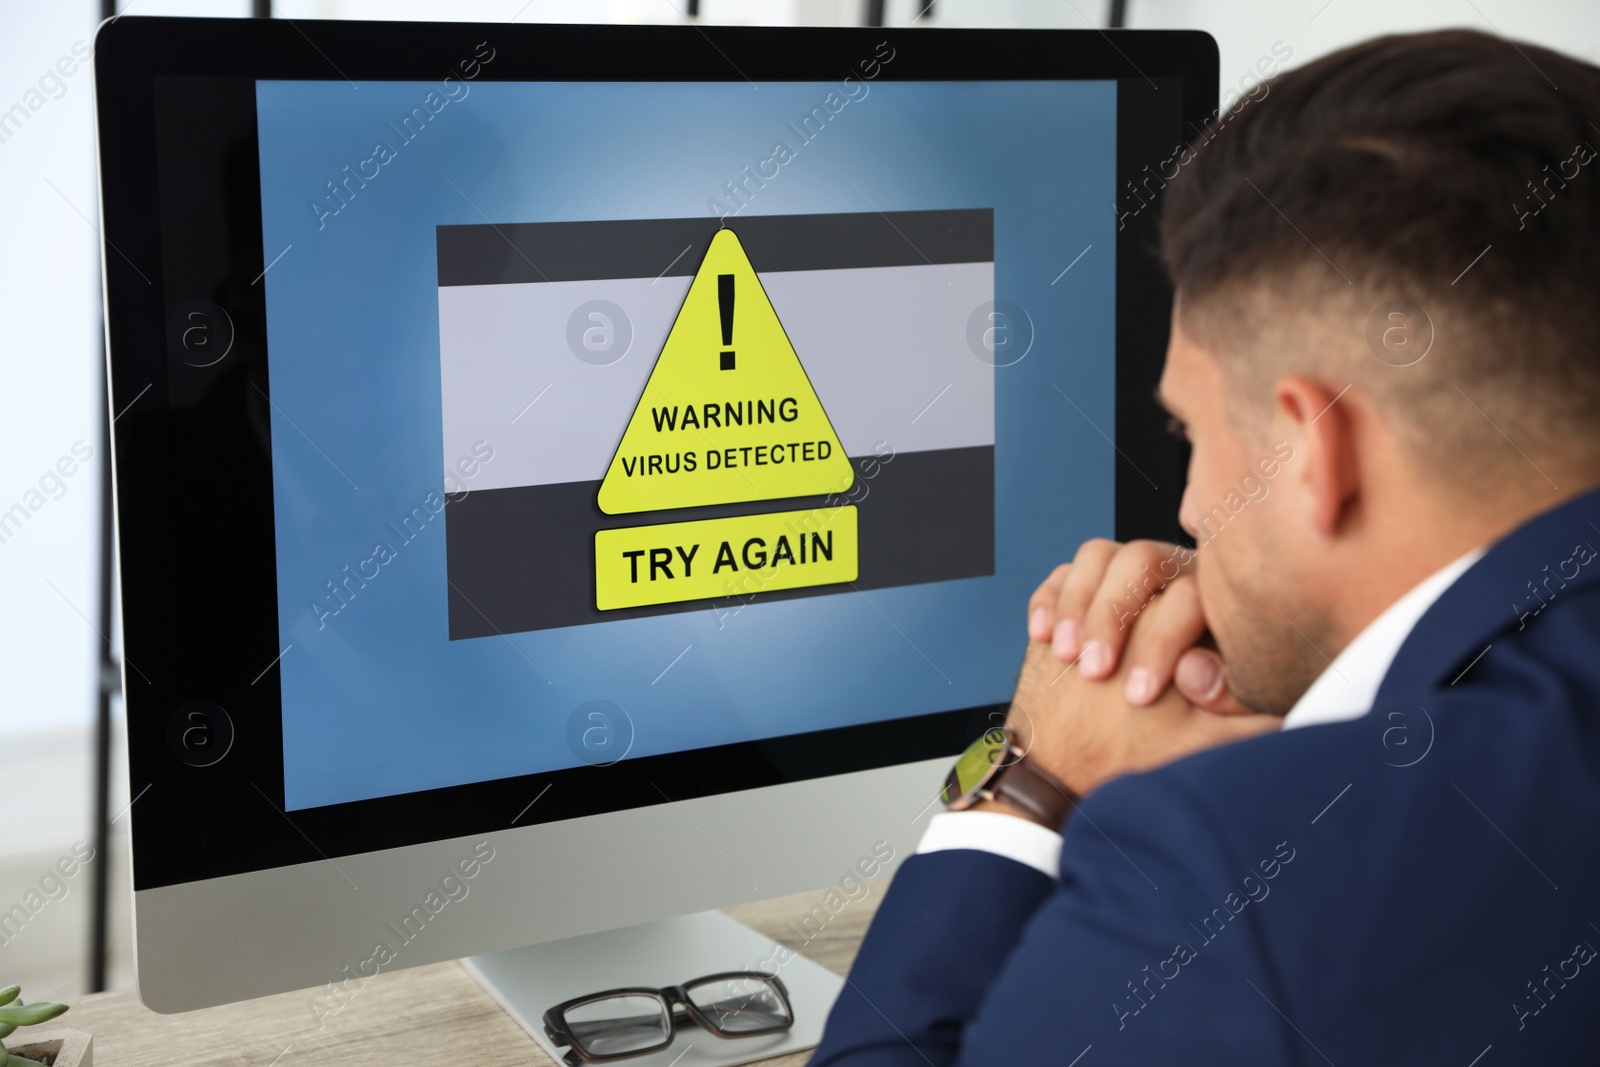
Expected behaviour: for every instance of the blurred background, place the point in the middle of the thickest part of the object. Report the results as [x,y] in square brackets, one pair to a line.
[55,686]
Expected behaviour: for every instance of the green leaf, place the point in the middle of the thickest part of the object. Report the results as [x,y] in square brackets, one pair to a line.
[30,1014]
[7,995]
[5,1031]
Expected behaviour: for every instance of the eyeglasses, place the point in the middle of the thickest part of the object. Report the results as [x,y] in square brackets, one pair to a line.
[622,1023]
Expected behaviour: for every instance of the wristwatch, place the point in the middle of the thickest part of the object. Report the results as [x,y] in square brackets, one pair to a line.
[996,767]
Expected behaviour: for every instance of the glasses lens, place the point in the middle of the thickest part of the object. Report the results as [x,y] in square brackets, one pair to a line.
[619,1025]
[742,1004]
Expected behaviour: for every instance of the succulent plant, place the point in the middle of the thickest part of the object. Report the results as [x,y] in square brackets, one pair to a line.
[14,1013]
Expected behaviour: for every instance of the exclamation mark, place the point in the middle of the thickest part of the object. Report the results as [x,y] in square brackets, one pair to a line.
[725,304]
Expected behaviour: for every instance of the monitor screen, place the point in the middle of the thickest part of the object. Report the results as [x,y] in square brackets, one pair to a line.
[529,514]
[520,424]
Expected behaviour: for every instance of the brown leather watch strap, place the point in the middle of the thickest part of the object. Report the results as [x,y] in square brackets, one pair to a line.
[1034,793]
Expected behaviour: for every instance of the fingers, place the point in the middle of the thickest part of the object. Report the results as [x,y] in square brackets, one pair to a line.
[1167,630]
[1203,680]
[1042,605]
[1128,583]
[1199,676]
[1077,590]
[1191,728]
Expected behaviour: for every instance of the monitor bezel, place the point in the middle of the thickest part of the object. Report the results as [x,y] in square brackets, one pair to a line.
[193,502]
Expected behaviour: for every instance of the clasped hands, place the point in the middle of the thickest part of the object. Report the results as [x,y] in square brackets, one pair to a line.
[1120,674]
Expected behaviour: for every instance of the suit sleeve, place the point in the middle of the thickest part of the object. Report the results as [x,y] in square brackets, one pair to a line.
[1148,949]
[941,935]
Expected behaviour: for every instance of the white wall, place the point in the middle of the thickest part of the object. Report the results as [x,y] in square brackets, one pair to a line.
[1246,29]
[49,398]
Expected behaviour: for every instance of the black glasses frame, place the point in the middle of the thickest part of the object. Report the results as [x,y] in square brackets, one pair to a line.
[671,998]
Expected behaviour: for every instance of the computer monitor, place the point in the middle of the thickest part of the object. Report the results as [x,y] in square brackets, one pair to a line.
[571,477]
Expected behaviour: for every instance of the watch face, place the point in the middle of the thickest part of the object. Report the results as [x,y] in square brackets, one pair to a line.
[976,766]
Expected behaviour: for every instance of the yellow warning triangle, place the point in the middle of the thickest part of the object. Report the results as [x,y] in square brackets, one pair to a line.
[728,414]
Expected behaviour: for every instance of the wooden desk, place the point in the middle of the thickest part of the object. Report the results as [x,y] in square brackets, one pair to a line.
[432,1014]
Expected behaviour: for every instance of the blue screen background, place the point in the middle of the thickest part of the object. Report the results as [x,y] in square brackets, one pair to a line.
[377,701]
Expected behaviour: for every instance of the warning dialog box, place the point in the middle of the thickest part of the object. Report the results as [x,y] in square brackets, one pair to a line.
[687,415]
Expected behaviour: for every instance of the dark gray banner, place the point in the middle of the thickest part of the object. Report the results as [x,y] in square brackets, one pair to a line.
[648,248]
[523,559]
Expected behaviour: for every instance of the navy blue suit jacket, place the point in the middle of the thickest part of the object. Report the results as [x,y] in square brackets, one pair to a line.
[1417,886]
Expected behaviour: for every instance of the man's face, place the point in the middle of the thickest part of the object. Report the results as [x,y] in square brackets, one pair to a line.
[1252,582]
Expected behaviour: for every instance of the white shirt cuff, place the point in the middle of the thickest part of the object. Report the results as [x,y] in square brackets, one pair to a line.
[993,832]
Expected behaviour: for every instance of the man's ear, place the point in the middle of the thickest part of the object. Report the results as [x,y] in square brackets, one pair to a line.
[1316,422]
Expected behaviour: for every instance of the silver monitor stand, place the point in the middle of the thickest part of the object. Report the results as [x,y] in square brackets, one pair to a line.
[528,981]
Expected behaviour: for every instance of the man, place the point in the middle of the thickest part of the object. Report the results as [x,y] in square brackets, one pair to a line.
[1385,276]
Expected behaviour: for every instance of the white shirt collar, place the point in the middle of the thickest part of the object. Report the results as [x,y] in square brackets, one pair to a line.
[1347,689]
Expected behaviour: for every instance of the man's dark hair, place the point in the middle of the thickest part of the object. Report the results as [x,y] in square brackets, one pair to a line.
[1380,174]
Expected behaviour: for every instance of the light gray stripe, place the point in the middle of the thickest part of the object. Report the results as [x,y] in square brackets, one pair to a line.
[878,343]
